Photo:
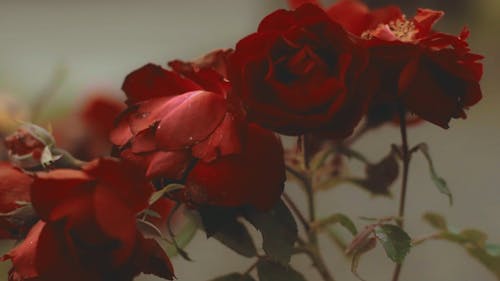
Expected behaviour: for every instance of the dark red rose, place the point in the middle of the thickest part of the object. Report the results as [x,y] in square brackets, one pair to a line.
[254,177]
[88,229]
[432,74]
[216,60]
[354,15]
[297,74]
[164,133]
[178,136]
[14,191]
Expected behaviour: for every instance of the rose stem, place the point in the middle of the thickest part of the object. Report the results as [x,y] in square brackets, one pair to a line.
[315,254]
[405,154]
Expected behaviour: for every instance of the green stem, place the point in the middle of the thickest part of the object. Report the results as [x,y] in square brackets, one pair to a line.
[312,235]
[405,155]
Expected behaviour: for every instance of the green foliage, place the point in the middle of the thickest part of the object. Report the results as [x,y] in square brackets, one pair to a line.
[235,236]
[271,271]
[436,220]
[186,233]
[440,183]
[278,229]
[344,220]
[160,193]
[472,240]
[223,225]
[396,242]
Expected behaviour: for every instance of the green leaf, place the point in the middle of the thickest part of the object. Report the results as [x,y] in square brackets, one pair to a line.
[438,181]
[271,271]
[236,237]
[148,229]
[39,133]
[344,220]
[436,220]
[222,224]
[396,241]
[234,277]
[160,193]
[278,229]
[474,242]
[186,233]
[492,250]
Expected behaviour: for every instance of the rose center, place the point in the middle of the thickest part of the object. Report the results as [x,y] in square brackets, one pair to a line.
[401,29]
[304,62]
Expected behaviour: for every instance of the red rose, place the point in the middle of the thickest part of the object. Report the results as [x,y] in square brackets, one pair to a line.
[297,74]
[353,15]
[433,75]
[254,177]
[14,189]
[178,135]
[173,123]
[88,229]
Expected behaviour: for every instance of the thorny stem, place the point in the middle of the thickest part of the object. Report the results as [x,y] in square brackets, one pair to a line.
[296,211]
[405,155]
[312,235]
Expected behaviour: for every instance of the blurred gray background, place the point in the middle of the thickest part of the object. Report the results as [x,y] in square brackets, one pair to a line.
[99,42]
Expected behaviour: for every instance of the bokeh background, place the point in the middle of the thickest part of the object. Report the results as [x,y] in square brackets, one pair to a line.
[98,42]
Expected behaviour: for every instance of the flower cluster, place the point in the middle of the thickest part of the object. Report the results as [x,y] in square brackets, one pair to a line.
[204,134]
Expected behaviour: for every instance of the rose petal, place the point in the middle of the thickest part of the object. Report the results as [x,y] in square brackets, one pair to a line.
[152,81]
[192,121]
[171,165]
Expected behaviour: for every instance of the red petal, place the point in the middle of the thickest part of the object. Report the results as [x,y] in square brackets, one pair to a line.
[294,4]
[50,190]
[24,255]
[117,220]
[172,164]
[152,81]
[225,140]
[242,179]
[425,19]
[127,182]
[351,14]
[14,186]
[191,121]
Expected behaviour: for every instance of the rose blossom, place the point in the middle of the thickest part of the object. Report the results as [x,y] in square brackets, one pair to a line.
[88,227]
[297,74]
[184,122]
[434,75]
